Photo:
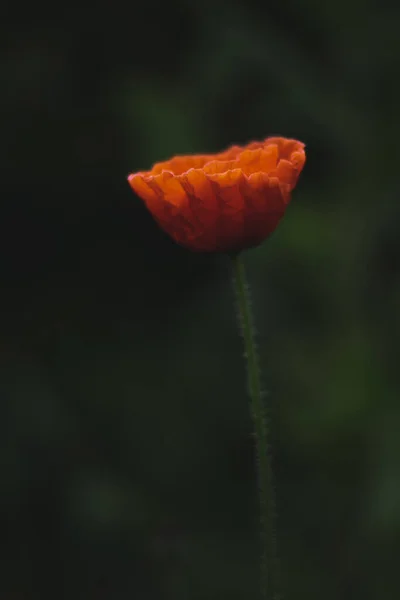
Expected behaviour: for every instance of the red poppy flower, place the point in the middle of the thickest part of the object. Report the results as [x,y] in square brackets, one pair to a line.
[223,202]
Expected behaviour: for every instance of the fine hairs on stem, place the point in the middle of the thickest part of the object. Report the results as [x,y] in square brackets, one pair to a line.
[270,584]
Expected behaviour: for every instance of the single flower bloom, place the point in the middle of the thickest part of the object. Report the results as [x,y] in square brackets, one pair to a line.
[223,202]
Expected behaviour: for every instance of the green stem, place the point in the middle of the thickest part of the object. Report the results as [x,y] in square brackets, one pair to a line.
[269,565]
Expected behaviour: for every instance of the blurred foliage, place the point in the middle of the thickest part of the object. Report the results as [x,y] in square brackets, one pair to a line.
[127,460]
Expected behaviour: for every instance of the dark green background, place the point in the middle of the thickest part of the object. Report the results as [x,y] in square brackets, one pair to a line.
[126,448]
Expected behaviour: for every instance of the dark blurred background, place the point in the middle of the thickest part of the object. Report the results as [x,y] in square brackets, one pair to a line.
[126,448]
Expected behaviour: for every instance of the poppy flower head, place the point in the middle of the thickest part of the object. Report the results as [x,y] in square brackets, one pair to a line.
[223,202]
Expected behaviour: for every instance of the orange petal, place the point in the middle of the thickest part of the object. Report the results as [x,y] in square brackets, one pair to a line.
[298,160]
[153,198]
[170,187]
[260,160]
[285,146]
[139,185]
[230,208]
[180,164]
[286,173]
[219,166]
[202,203]
[265,206]
[228,154]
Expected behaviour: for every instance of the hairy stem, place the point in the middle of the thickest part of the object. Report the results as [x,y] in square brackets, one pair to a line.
[269,565]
